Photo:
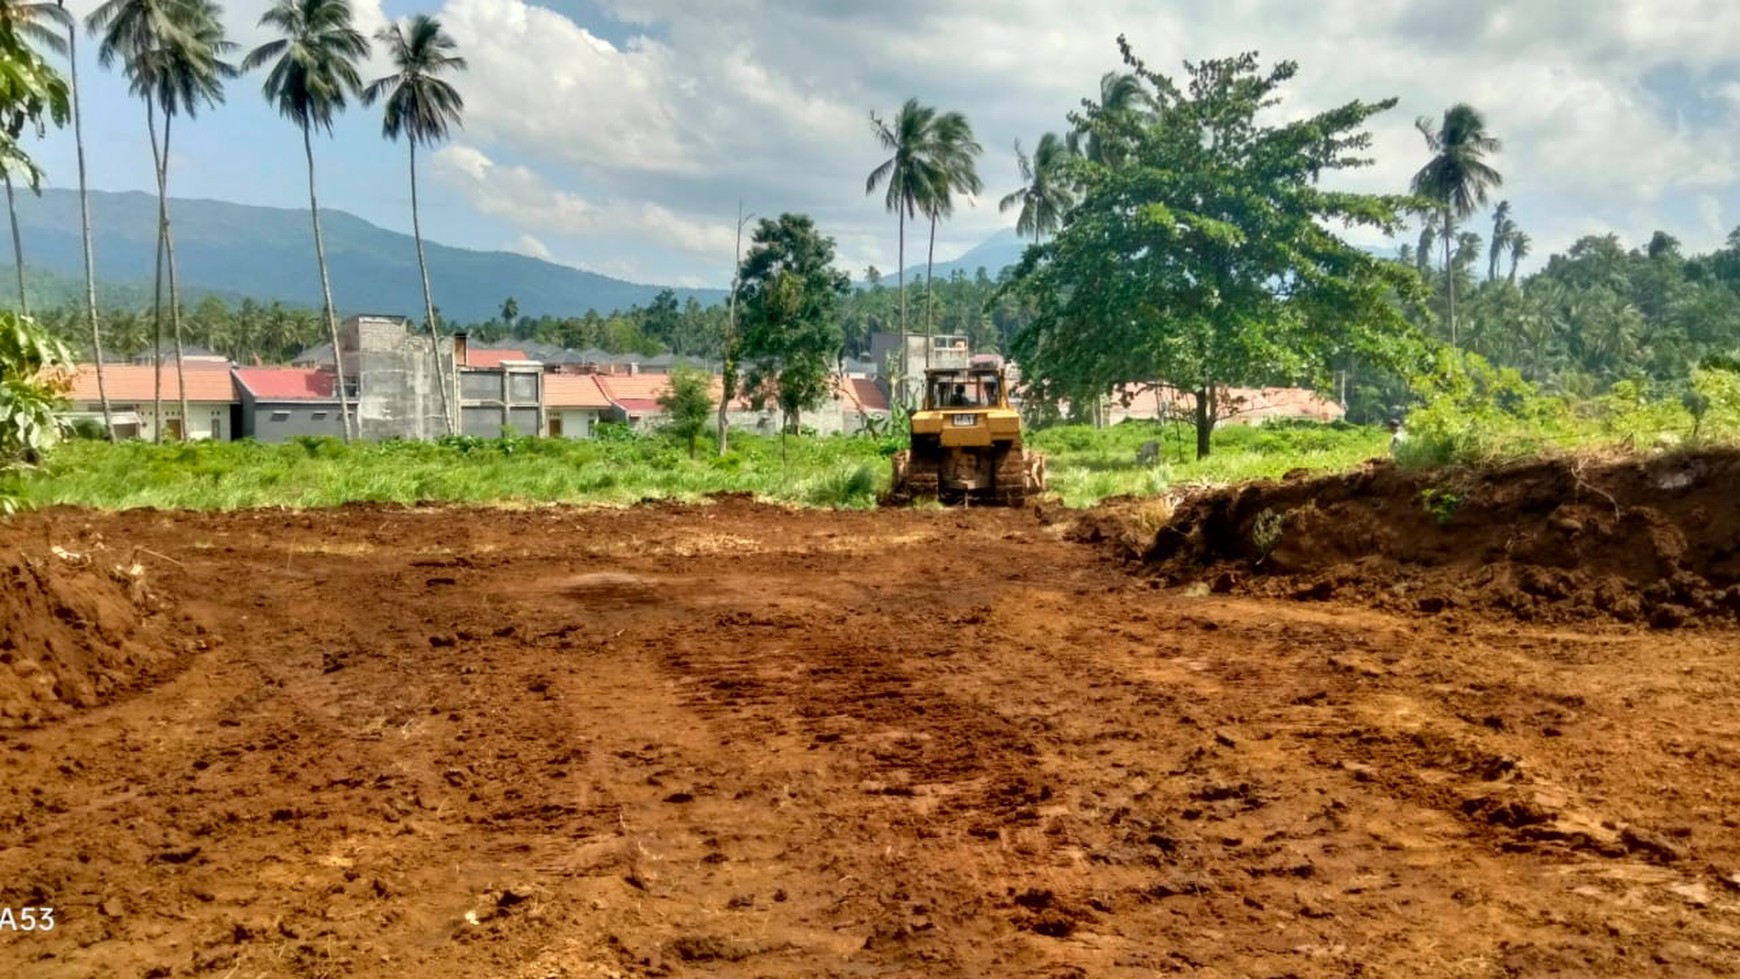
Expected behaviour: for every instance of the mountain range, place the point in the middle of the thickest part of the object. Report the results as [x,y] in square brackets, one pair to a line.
[267,253]
[234,251]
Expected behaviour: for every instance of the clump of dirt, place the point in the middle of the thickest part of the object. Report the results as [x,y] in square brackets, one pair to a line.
[1653,540]
[76,629]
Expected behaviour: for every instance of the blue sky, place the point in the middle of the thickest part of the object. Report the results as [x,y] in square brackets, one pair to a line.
[618,135]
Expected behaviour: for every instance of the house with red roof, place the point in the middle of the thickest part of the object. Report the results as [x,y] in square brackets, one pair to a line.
[574,404]
[278,403]
[1233,406]
[132,387]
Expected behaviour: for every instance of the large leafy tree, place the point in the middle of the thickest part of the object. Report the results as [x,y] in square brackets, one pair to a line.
[947,169]
[1045,196]
[313,71]
[790,300]
[423,107]
[1457,178]
[171,52]
[1205,257]
[688,405]
[37,23]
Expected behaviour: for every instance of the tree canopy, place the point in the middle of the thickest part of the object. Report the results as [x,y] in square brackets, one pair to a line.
[1204,255]
[790,298]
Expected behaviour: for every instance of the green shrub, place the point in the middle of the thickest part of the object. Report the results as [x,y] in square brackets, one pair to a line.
[1472,412]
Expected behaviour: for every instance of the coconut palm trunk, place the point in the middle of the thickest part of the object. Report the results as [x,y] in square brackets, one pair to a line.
[326,290]
[157,283]
[17,243]
[428,297]
[900,262]
[174,287]
[1450,275]
[85,218]
[929,267]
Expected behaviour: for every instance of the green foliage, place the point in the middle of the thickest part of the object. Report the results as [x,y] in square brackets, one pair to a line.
[622,468]
[1441,503]
[1472,411]
[32,95]
[33,380]
[1630,416]
[688,405]
[850,486]
[1716,393]
[1202,256]
[1086,464]
[789,300]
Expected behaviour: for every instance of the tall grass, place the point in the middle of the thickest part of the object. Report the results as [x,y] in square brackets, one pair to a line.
[1086,465]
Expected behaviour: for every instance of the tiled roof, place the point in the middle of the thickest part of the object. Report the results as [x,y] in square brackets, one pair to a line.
[573,391]
[640,406]
[862,394]
[132,383]
[287,383]
[639,393]
[475,357]
[638,387]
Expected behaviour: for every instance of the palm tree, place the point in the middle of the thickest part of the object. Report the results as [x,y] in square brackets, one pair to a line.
[171,54]
[1519,250]
[906,137]
[1457,177]
[1423,251]
[314,68]
[947,167]
[31,22]
[1121,94]
[421,106]
[1045,196]
[72,57]
[1502,228]
[130,32]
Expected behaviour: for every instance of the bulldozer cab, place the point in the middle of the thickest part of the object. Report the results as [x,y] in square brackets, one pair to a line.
[969,389]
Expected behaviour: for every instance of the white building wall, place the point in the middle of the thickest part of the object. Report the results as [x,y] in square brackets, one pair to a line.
[208,419]
[577,423]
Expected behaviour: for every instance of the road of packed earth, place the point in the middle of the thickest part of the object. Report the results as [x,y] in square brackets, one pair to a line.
[733,739]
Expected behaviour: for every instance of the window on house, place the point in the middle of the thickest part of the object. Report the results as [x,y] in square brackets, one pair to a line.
[280,416]
[319,416]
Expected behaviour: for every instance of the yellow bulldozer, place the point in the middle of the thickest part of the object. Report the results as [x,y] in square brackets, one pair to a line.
[966,443]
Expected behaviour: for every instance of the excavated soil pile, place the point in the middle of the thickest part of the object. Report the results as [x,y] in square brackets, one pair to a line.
[75,630]
[1655,540]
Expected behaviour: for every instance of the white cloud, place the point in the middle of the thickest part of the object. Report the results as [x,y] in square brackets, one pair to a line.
[591,138]
[528,201]
[770,101]
[532,247]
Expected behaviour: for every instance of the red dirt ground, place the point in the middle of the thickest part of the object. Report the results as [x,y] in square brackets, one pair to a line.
[736,740]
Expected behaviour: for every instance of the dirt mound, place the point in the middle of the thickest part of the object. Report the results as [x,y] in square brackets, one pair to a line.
[1652,540]
[76,628]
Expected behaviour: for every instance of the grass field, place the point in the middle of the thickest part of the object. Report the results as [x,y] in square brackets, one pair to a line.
[1086,465]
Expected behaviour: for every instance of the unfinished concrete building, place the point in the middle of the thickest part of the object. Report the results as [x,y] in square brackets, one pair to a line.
[395,377]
